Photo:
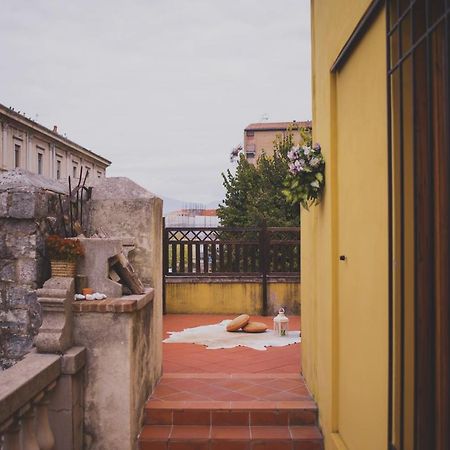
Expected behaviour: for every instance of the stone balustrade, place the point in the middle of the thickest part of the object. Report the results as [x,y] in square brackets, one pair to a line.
[31,414]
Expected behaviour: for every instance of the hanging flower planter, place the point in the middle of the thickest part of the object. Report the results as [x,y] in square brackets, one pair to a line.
[306,178]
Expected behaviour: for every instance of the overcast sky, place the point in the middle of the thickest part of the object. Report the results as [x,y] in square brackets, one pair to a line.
[162,88]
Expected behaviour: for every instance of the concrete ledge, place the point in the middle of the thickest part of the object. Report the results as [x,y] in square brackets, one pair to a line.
[73,360]
[126,304]
[26,379]
[173,279]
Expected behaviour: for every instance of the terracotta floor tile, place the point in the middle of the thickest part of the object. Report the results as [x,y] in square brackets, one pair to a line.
[271,417]
[184,396]
[194,432]
[302,417]
[229,445]
[188,445]
[249,405]
[234,397]
[268,433]
[192,417]
[233,433]
[210,404]
[306,432]
[153,445]
[272,445]
[158,417]
[152,432]
[228,418]
[307,445]
[259,391]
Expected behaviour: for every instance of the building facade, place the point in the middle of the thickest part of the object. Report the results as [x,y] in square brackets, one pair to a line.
[28,145]
[259,137]
[376,251]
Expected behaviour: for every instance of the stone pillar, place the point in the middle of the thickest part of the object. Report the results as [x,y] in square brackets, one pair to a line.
[26,201]
[52,162]
[125,210]
[55,298]
[29,152]
[5,127]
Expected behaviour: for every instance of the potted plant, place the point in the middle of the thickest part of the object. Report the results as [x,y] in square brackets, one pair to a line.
[63,254]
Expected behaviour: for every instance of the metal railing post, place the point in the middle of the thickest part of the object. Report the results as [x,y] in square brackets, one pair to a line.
[264,253]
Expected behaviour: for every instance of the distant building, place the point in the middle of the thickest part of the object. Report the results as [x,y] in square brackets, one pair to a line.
[192,217]
[29,145]
[259,137]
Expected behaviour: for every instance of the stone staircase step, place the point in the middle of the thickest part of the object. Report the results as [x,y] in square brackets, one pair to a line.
[210,437]
[231,412]
[239,413]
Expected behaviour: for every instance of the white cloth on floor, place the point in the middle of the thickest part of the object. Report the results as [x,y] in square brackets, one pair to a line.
[215,336]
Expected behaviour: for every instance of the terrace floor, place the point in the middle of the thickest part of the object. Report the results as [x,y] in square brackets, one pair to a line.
[229,399]
[193,358]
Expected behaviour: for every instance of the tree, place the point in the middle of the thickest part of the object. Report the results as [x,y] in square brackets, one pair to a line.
[254,195]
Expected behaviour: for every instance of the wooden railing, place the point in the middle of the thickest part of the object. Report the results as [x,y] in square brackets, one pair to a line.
[253,251]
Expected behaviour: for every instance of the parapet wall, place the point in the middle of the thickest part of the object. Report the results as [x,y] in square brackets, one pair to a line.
[226,295]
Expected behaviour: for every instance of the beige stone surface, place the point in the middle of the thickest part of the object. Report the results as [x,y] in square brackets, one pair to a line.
[23,381]
[94,264]
[122,370]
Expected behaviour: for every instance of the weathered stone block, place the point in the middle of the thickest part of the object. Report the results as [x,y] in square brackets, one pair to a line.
[95,265]
[26,271]
[20,297]
[3,204]
[19,244]
[7,270]
[22,205]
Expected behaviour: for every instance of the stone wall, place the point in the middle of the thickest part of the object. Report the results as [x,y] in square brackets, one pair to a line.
[120,367]
[123,209]
[26,201]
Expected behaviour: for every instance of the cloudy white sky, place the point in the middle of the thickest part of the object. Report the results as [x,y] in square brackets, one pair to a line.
[162,88]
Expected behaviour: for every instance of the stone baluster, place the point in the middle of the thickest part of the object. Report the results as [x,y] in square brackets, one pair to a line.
[11,439]
[44,432]
[29,440]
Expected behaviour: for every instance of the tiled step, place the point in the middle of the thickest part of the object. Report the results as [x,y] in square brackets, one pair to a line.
[202,437]
[248,413]
[229,412]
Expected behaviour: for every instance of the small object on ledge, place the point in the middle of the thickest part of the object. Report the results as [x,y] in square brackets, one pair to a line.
[87,290]
[94,296]
[81,282]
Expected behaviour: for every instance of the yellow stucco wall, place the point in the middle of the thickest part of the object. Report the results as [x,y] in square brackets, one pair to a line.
[191,297]
[345,305]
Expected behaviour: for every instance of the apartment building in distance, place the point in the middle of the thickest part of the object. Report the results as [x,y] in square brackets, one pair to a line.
[29,145]
[259,137]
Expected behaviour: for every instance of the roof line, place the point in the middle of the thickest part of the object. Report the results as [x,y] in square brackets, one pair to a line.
[31,123]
